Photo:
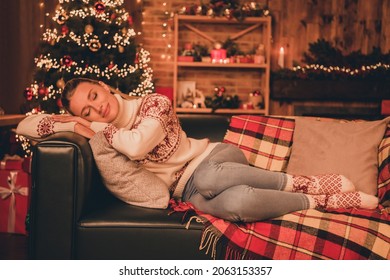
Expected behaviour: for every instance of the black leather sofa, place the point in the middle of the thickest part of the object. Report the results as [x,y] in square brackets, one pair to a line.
[72,216]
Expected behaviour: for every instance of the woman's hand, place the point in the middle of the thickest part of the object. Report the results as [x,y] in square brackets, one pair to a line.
[70,118]
[83,131]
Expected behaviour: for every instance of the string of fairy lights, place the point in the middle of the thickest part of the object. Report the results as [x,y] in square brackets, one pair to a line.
[88,39]
[120,40]
[344,70]
[167,29]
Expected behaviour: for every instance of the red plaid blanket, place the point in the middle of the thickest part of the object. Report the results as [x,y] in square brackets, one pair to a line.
[310,234]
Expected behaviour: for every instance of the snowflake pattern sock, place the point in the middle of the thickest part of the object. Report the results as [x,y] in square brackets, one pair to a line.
[320,184]
[344,200]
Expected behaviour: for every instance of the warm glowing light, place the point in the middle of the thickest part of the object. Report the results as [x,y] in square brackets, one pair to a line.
[281,57]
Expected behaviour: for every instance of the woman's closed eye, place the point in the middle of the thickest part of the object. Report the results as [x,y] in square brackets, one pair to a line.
[86,112]
[92,96]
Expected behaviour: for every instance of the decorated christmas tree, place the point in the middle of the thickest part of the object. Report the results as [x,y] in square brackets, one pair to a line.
[92,39]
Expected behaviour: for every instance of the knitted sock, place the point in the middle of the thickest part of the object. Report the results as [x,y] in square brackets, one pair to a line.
[319,184]
[344,200]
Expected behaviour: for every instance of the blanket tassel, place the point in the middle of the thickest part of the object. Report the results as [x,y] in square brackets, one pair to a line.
[209,241]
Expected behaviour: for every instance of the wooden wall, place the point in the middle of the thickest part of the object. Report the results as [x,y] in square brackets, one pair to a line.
[349,24]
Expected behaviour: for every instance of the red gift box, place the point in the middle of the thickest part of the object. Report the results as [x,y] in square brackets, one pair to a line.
[167,91]
[14,200]
[11,164]
[16,163]
[385,108]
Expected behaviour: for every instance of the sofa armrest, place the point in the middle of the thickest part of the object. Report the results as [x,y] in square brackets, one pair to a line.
[64,176]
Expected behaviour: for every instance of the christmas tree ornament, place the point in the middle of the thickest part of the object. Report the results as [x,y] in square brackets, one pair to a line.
[121,49]
[228,9]
[183,10]
[37,110]
[62,18]
[88,29]
[60,83]
[100,7]
[228,13]
[253,5]
[124,30]
[28,94]
[64,30]
[130,20]
[59,103]
[66,60]
[111,65]
[199,10]
[94,45]
[256,99]
[42,90]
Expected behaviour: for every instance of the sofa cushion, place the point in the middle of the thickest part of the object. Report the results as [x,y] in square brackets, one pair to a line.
[125,179]
[265,141]
[347,148]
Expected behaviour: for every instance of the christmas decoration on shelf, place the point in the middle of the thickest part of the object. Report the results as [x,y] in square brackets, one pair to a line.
[215,8]
[325,62]
[256,99]
[221,100]
[93,39]
[218,53]
[230,9]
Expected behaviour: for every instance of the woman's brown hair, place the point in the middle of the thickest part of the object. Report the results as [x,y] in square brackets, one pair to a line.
[72,84]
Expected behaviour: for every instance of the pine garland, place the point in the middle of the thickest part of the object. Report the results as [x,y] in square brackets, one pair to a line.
[325,62]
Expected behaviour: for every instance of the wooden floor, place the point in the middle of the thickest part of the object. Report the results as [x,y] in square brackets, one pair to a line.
[13,246]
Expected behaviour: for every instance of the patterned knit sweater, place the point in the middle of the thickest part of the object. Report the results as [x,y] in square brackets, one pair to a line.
[147,131]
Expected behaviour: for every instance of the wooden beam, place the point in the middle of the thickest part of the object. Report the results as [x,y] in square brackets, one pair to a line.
[245,31]
[197,31]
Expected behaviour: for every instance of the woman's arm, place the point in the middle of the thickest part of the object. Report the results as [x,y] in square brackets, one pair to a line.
[70,118]
[43,125]
[84,131]
[158,121]
[137,142]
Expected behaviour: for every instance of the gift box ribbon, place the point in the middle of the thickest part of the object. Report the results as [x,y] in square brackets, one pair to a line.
[3,163]
[12,191]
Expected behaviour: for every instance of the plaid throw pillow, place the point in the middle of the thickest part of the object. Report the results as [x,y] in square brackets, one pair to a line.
[265,141]
[384,169]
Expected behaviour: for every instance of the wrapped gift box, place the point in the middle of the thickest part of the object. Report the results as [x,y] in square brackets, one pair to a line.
[14,200]
[385,108]
[11,164]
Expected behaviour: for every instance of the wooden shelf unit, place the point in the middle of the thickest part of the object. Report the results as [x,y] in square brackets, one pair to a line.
[251,24]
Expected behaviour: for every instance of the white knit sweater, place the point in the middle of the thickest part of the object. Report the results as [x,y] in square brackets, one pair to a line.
[147,131]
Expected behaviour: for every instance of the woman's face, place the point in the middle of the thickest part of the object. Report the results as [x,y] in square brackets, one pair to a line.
[94,102]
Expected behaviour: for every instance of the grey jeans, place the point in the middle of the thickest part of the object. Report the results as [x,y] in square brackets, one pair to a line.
[226,186]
